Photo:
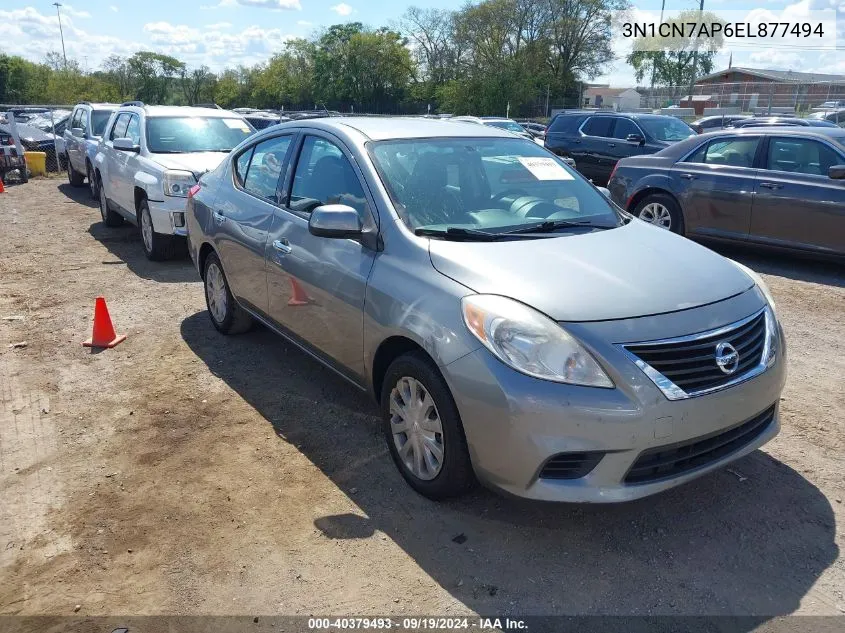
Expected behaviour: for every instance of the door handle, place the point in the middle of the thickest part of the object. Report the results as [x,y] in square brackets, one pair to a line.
[688,176]
[771,185]
[283,246]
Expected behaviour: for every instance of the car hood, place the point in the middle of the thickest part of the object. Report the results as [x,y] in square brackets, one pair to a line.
[196,162]
[630,271]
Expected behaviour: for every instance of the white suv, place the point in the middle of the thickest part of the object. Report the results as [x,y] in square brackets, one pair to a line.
[148,159]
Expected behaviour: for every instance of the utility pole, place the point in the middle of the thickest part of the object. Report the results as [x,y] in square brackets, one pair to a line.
[695,55]
[662,8]
[61,32]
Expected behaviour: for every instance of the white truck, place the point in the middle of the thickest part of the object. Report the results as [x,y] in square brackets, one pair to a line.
[148,159]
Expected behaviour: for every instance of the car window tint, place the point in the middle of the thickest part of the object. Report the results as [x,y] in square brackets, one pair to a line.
[598,126]
[133,130]
[77,116]
[624,127]
[802,156]
[241,165]
[325,176]
[735,152]
[119,129]
[268,158]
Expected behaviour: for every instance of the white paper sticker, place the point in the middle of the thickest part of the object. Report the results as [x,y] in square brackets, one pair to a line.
[237,124]
[545,168]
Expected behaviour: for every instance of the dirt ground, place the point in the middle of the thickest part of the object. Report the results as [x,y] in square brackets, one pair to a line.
[188,473]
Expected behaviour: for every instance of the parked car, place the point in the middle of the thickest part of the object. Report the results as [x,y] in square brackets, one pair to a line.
[148,159]
[836,116]
[536,130]
[716,122]
[596,140]
[502,123]
[833,104]
[495,305]
[780,187]
[260,120]
[781,121]
[10,159]
[82,137]
[34,140]
[54,124]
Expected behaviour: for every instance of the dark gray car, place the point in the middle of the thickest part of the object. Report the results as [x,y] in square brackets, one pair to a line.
[484,293]
[778,187]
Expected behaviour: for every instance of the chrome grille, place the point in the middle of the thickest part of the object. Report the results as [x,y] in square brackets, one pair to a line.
[687,366]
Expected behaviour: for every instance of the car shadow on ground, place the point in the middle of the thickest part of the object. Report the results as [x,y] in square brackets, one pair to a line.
[749,540]
[80,195]
[799,268]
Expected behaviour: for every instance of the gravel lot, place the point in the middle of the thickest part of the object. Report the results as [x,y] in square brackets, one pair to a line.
[188,473]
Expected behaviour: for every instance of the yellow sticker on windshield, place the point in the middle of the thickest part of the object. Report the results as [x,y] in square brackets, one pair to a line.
[545,168]
[237,124]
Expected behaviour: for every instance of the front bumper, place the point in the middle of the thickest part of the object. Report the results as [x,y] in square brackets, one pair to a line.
[514,423]
[168,216]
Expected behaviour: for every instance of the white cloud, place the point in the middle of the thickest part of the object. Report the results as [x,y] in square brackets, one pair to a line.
[277,5]
[304,23]
[342,9]
[69,10]
[218,25]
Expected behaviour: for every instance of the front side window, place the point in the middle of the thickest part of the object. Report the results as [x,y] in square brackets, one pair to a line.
[485,184]
[598,126]
[325,176]
[119,128]
[667,128]
[735,152]
[801,156]
[265,167]
[624,128]
[77,116]
[179,135]
[133,130]
[241,166]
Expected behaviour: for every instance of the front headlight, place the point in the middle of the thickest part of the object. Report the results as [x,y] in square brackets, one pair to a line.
[176,183]
[530,342]
[758,280]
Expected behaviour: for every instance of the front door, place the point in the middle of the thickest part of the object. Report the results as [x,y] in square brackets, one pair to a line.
[317,285]
[242,216]
[795,202]
[715,187]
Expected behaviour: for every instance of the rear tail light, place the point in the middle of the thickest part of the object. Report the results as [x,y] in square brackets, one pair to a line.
[194,190]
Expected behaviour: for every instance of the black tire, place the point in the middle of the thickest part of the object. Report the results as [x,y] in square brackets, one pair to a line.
[160,246]
[235,320]
[92,181]
[23,175]
[75,178]
[110,217]
[456,476]
[669,203]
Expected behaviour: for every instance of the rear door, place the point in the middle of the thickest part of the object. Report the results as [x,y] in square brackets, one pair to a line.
[796,204]
[715,186]
[125,164]
[242,214]
[596,138]
[74,146]
[317,285]
[113,159]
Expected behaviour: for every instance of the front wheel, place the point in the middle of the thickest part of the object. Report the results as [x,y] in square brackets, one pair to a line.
[157,247]
[226,315]
[661,210]
[423,428]
[76,179]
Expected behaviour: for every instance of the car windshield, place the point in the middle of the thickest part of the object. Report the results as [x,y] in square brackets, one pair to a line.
[490,185]
[99,118]
[510,126]
[667,128]
[177,135]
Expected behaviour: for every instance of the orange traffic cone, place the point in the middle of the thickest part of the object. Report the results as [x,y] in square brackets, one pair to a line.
[103,334]
[298,296]
[2,188]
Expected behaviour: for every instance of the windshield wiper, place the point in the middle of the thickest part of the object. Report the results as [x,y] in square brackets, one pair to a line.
[552,225]
[457,232]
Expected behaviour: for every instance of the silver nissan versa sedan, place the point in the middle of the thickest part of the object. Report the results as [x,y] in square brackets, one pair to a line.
[514,326]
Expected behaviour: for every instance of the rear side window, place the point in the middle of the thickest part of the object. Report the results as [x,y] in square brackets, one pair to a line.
[801,156]
[265,168]
[564,123]
[735,152]
[598,126]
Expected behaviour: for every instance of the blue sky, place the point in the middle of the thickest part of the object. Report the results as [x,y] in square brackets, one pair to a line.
[221,33]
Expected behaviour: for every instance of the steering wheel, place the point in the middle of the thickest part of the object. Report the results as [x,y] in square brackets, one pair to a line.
[508,192]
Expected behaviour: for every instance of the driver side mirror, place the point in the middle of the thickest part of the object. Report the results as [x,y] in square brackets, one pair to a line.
[125,144]
[78,132]
[635,138]
[836,172]
[338,221]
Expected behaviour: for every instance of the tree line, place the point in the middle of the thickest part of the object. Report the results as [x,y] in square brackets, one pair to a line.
[486,58]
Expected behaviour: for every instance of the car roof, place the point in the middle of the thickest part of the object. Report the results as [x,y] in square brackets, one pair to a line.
[184,111]
[837,133]
[384,128]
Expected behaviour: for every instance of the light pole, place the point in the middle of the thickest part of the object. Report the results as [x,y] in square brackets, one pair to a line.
[61,33]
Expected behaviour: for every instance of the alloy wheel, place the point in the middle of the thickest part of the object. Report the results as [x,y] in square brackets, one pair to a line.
[147,229]
[104,205]
[656,214]
[416,428]
[215,292]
